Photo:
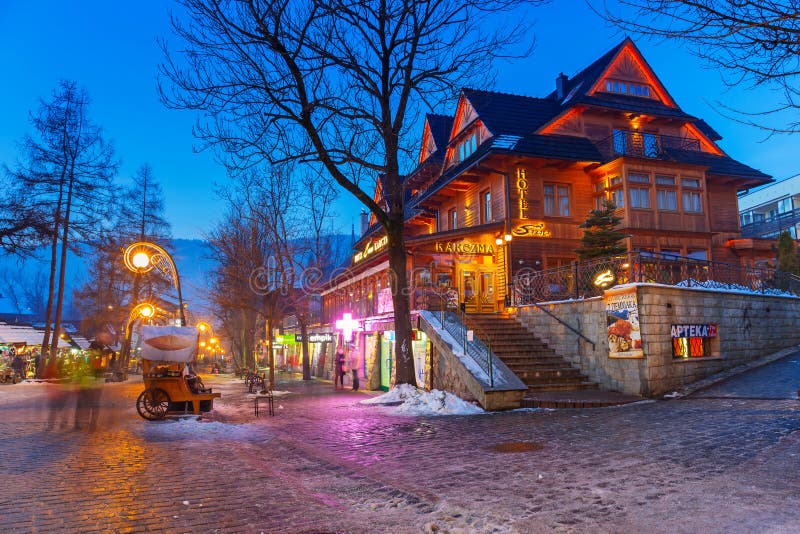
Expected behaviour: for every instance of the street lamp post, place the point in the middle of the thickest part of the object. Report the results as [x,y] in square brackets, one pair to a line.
[143,310]
[142,256]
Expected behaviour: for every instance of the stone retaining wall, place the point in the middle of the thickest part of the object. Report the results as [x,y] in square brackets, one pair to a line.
[749,326]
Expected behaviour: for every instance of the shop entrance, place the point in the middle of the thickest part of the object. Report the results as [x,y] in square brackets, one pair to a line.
[477,290]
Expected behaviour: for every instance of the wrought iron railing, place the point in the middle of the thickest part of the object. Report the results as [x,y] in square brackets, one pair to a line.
[452,319]
[590,278]
[643,145]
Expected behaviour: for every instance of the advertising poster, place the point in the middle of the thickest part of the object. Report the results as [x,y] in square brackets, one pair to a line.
[168,343]
[622,318]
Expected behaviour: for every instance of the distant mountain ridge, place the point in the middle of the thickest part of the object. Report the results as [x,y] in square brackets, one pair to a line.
[192,258]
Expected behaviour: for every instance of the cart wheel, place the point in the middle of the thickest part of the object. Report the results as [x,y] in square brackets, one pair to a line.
[152,404]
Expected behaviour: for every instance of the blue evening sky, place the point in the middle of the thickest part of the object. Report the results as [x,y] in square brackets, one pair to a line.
[110,48]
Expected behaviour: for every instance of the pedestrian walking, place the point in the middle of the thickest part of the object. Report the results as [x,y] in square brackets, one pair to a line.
[338,379]
[354,369]
[18,365]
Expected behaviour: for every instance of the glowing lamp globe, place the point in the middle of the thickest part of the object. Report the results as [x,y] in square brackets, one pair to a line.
[146,311]
[140,260]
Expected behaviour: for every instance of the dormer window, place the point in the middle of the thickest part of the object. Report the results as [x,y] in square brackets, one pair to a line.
[467,146]
[630,89]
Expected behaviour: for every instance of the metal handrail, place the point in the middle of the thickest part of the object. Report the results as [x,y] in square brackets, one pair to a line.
[644,144]
[453,319]
[567,325]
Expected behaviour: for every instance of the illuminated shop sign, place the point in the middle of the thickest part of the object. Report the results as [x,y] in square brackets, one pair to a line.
[316,337]
[522,192]
[371,248]
[534,229]
[693,330]
[463,247]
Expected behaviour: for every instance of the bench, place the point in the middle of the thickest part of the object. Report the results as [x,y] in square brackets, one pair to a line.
[267,396]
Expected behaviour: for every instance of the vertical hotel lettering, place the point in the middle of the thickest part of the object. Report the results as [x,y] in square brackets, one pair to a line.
[522,192]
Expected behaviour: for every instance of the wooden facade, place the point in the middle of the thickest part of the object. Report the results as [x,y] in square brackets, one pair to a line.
[503,185]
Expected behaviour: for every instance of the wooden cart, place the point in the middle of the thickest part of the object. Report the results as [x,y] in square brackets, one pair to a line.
[169,390]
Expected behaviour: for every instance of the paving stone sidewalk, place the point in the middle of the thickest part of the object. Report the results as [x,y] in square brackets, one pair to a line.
[326,463]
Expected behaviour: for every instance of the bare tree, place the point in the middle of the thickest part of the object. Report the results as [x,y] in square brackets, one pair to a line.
[66,172]
[752,41]
[336,82]
[319,195]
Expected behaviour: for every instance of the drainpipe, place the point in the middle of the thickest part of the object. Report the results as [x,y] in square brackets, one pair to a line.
[506,229]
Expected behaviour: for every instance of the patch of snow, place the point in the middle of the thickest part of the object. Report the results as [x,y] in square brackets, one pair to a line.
[414,401]
[251,396]
[673,395]
[191,428]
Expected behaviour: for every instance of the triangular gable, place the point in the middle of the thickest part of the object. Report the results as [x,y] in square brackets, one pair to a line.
[428,143]
[378,199]
[628,65]
[465,114]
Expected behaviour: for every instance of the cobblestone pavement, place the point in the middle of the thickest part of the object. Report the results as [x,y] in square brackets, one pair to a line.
[325,463]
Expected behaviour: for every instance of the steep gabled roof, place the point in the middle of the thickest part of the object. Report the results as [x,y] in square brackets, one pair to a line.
[585,79]
[507,114]
[440,126]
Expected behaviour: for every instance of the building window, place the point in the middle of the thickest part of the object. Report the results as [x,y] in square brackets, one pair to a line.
[663,179]
[632,89]
[486,207]
[452,216]
[437,223]
[692,183]
[785,205]
[467,146]
[690,347]
[666,200]
[618,197]
[697,255]
[640,198]
[556,200]
[692,202]
[638,178]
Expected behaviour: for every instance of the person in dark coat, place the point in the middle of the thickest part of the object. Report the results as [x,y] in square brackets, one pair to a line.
[18,365]
[338,380]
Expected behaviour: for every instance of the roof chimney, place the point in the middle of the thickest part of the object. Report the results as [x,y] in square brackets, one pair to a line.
[561,83]
[364,222]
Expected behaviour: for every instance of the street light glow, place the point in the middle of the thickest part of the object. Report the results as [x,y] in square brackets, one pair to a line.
[146,311]
[140,260]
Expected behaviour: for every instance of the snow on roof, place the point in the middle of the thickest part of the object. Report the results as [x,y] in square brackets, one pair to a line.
[24,334]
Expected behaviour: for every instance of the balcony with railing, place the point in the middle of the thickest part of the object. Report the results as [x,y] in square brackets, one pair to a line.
[772,226]
[643,145]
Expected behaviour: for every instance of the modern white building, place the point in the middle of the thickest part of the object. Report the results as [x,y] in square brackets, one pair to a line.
[767,211]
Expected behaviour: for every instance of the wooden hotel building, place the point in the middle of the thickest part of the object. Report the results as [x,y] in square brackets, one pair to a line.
[504,183]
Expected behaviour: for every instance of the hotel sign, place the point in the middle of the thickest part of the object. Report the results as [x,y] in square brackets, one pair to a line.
[371,248]
[532,229]
[463,247]
[522,192]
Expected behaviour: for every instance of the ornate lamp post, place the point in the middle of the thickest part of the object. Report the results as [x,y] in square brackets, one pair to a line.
[145,310]
[142,256]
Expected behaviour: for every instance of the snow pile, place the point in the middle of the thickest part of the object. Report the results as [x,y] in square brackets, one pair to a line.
[414,401]
[190,428]
[721,286]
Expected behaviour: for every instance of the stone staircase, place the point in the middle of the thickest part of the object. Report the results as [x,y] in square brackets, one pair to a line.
[536,364]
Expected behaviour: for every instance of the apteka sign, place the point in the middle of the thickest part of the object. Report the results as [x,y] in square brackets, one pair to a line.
[694,330]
